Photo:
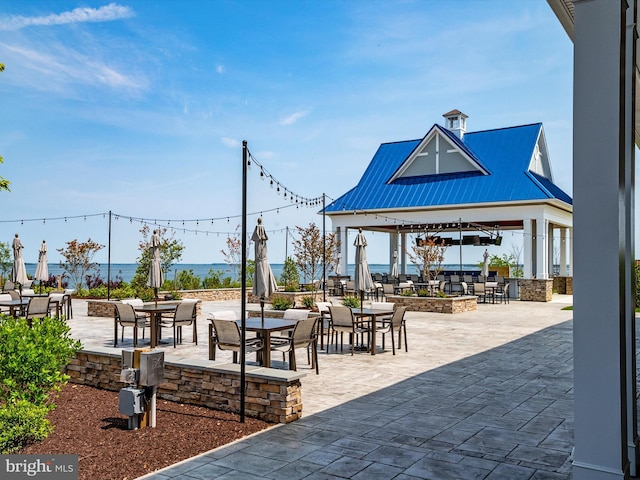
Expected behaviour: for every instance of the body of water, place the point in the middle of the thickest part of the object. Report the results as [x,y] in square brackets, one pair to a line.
[126,271]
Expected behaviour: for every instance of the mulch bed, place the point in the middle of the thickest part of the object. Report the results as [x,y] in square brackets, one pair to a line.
[87,423]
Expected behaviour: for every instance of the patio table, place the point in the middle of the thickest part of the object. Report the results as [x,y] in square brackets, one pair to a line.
[155,311]
[372,313]
[13,304]
[264,328]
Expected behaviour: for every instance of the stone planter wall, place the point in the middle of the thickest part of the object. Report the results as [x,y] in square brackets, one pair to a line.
[536,290]
[434,304]
[271,395]
[294,297]
[103,308]
[268,313]
[563,285]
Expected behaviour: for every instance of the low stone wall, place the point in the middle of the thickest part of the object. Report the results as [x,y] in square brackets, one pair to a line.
[536,290]
[434,304]
[213,295]
[563,285]
[271,395]
[294,297]
[268,313]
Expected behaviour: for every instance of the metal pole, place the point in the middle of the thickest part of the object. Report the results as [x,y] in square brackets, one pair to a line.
[286,244]
[243,281]
[324,252]
[109,261]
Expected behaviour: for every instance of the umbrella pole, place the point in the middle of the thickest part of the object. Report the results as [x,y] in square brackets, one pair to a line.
[262,309]
[155,295]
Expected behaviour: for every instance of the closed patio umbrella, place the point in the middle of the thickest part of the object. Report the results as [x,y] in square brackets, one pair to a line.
[339,264]
[156,277]
[19,272]
[42,269]
[362,279]
[485,265]
[394,267]
[264,283]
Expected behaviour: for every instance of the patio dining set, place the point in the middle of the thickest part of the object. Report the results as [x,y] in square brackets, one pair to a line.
[26,303]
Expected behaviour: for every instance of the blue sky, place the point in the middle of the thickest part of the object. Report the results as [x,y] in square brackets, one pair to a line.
[140,107]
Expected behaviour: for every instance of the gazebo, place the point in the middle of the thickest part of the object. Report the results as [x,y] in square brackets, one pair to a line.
[467,187]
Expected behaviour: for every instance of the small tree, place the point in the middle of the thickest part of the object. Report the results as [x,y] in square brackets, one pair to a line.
[428,255]
[308,251]
[290,277]
[5,261]
[233,253]
[79,259]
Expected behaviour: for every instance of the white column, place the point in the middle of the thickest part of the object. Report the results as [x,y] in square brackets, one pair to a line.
[393,247]
[403,254]
[600,327]
[563,251]
[542,248]
[343,236]
[528,242]
[571,252]
[549,240]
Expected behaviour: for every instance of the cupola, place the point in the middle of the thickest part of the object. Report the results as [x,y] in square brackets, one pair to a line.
[456,122]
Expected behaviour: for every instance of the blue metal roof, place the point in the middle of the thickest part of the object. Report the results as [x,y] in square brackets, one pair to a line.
[504,153]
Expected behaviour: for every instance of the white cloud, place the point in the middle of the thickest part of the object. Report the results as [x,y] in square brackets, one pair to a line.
[107,13]
[293,118]
[63,67]
[230,142]
[220,69]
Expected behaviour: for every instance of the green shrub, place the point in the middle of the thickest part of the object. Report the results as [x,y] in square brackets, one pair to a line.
[22,423]
[187,280]
[441,295]
[308,301]
[350,301]
[424,293]
[280,303]
[215,279]
[290,288]
[406,293]
[32,359]
[125,291]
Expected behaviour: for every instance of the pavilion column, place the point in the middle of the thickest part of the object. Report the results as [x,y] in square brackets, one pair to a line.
[571,252]
[549,240]
[343,237]
[542,248]
[604,369]
[563,252]
[403,253]
[529,242]
[393,247]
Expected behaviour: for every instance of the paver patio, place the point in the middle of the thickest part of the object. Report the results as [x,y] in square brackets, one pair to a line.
[484,394]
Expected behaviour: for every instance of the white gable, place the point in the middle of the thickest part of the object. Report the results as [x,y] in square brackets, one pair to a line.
[437,154]
[540,163]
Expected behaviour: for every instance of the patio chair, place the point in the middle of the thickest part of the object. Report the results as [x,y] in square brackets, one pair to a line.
[228,337]
[38,307]
[220,315]
[343,321]
[397,324]
[184,315]
[383,306]
[388,289]
[325,320]
[126,316]
[15,295]
[479,291]
[8,285]
[502,292]
[304,336]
